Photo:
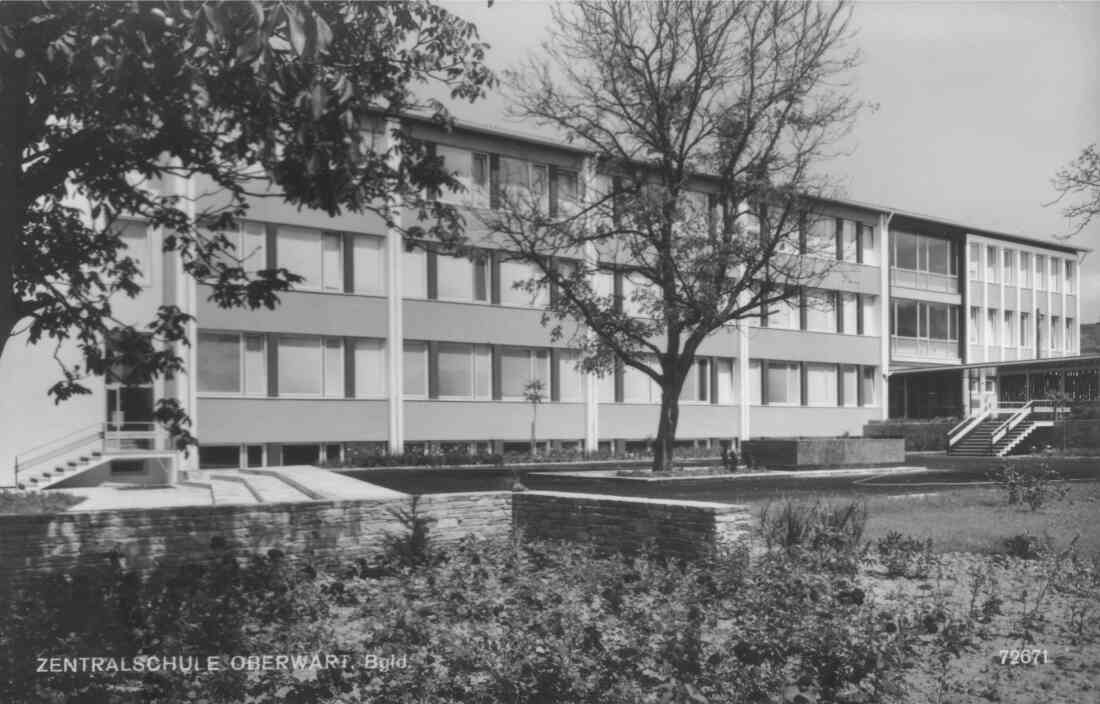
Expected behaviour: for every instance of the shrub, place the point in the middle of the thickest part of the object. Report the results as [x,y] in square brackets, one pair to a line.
[36,501]
[1033,485]
[826,536]
[493,621]
[905,556]
[1027,546]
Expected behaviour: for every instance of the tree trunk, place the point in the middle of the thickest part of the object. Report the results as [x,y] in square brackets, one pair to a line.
[666,427]
[534,414]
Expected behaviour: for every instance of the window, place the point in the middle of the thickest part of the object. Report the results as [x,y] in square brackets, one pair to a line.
[369,264]
[906,318]
[870,248]
[755,383]
[219,362]
[249,247]
[1025,329]
[726,391]
[921,253]
[315,257]
[1010,329]
[524,184]
[850,379]
[461,278]
[567,202]
[520,366]
[512,272]
[370,368]
[1056,274]
[455,370]
[1009,266]
[696,384]
[992,268]
[974,263]
[991,327]
[334,368]
[301,369]
[870,314]
[821,311]
[469,169]
[1071,275]
[1025,269]
[784,315]
[821,237]
[849,303]
[607,388]
[821,384]
[570,378]
[975,327]
[636,385]
[603,283]
[255,365]
[415,368]
[135,235]
[784,383]
[1071,335]
[849,241]
[415,273]
[1040,272]
[640,295]
[870,386]
[219,456]
[1055,332]
[942,321]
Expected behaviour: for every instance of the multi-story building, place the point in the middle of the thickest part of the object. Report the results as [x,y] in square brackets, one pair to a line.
[399,347]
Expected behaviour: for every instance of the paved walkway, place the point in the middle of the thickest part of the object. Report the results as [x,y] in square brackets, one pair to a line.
[218,487]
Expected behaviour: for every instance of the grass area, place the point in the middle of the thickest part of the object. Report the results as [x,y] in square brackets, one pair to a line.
[24,502]
[979,519]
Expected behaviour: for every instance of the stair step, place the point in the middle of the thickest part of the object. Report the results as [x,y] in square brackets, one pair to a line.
[230,492]
[273,489]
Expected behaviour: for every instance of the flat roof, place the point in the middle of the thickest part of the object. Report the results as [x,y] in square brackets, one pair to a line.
[563,145]
[1039,362]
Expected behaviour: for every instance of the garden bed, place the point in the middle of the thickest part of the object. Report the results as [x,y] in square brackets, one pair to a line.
[823,453]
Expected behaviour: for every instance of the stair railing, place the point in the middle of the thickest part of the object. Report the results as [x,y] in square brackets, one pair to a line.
[1008,425]
[963,427]
[85,437]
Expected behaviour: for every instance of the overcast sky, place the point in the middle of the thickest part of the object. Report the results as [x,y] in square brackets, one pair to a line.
[981,103]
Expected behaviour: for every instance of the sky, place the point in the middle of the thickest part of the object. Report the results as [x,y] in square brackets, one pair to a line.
[980,104]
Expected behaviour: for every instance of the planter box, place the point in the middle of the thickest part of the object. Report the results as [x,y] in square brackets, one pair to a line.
[919,435]
[822,453]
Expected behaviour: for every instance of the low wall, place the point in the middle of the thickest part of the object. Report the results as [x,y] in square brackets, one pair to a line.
[807,453]
[332,532]
[323,532]
[687,529]
[919,435]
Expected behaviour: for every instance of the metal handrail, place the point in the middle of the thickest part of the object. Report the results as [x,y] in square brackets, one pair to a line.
[71,441]
[962,428]
[1006,427]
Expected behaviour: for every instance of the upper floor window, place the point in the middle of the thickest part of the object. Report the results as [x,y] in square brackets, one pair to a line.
[784,383]
[821,311]
[821,384]
[784,314]
[921,253]
[311,366]
[1071,335]
[992,265]
[524,183]
[1040,272]
[920,319]
[1071,276]
[1025,329]
[821,237]
[315,256]
[462,278]
[1025,269]
[974,262]
[870,245]
[414,270]
[471,169]
[464,371]
[368,257]
[249,247]
[849,241]
[1056,274]
[135,235]
[1009,266]
[525,274]
[570,376]
[232,363]
[519,367]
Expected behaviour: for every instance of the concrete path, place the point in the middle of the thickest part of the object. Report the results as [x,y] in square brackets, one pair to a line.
[322,484]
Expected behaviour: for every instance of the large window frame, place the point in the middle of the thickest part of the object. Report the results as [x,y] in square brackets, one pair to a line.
[479,370]
[920,249]
[922,315]
[250,383]
[330,367]
[326,273]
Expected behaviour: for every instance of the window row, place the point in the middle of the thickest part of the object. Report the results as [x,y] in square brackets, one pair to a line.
[1018,329]
[934,255]
[493,180]
[710,380]
[1015,268]
[819,310]
[924,320]
[784,383]
[838,238]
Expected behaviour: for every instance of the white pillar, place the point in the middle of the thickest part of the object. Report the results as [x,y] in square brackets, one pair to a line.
[395,334]
[744,421]
[186,297]
[885,303]
[591,381]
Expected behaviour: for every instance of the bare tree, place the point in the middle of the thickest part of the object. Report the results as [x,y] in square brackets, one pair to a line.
[704,121]
[1080,181]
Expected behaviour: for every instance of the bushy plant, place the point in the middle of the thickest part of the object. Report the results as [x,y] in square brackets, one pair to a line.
[492,621]
[1027,546]
[823,535]
[1034,485]
[24,502]
[905,556]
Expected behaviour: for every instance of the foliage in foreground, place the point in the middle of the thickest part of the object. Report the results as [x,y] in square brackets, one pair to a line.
[490,622]
[36,502]
[1034,485]
[822,536]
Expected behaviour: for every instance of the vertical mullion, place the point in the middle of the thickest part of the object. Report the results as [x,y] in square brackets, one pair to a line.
[555,376]
[349,367]
[433,274]
[349,265]
[272,346]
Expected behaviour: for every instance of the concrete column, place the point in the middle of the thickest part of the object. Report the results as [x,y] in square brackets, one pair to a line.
[186,298]
[1066,350]
[395,335]
[884,314]
[744,420]
[591,381]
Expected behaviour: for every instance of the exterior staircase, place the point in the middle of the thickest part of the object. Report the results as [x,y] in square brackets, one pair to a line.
[996,433]
[88,448]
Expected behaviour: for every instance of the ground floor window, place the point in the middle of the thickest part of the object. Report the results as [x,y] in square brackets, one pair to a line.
[219,457]
[300,454]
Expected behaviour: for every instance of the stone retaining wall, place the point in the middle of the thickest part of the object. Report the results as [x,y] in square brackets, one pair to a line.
[330,532]
[810,453]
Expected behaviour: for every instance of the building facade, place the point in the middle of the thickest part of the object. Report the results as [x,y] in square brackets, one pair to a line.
[398,348]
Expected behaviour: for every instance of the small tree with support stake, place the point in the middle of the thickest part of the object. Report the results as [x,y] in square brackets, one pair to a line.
[533,394]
